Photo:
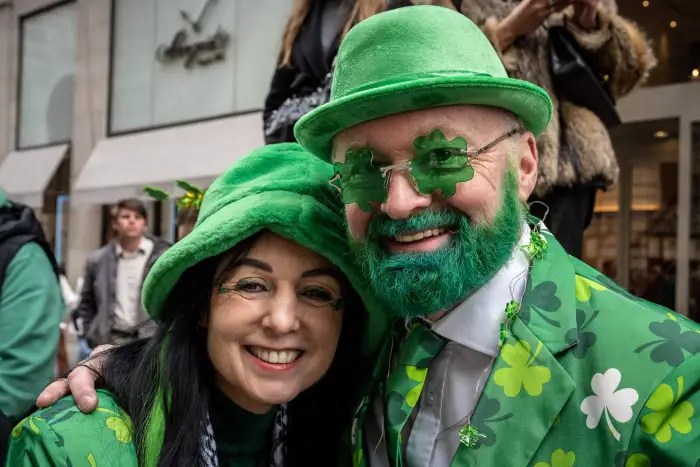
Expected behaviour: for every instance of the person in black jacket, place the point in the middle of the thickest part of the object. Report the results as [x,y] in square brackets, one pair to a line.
[31,310]
[302,79]
[310,42]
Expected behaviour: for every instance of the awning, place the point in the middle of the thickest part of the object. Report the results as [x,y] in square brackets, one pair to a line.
[119,167]
[25,174]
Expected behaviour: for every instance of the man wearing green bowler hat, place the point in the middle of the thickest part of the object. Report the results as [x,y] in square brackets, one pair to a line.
[506,351]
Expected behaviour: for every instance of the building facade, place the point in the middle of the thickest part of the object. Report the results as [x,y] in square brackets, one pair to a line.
[99,98]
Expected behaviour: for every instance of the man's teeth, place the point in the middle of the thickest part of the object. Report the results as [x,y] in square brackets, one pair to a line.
[273,356]
[405,238]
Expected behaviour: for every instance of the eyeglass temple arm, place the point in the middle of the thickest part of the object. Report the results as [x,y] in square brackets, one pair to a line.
[493,143]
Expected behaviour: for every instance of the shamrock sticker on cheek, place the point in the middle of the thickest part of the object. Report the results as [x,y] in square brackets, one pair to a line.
[440,163]
[358,180]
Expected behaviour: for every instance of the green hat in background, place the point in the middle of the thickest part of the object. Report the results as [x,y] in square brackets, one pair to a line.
[280,188]
[414,58]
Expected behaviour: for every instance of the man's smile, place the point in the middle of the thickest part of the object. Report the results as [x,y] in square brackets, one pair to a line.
[418,241]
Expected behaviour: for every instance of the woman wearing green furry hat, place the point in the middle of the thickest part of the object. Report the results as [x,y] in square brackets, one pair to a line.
[255,362]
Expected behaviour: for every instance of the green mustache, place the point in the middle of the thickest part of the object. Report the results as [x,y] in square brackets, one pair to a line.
[422,283]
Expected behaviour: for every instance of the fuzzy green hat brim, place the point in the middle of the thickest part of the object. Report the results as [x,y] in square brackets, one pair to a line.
[280,188]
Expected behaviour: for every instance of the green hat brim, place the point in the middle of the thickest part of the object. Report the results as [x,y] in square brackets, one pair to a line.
[316,130]
[280,212]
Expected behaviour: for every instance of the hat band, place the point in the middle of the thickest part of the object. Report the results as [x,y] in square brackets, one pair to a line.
[411,77]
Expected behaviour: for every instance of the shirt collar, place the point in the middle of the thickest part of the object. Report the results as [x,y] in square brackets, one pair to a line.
[476,321]
[145,247]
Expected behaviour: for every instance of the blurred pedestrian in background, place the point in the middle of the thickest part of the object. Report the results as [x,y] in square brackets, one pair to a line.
[310,42]
[110,309]
[68,352]
[31,310]
[302,80]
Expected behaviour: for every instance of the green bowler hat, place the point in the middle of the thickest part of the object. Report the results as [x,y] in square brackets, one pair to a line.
[414,58]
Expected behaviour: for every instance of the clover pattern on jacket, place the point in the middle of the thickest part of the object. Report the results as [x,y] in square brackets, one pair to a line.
[119,423]
[584,288]
[673,344]
[521,371]
[668,414]
[541,300]
[559,458]
[487,414]
[608,400]
[583,339]
[624,459]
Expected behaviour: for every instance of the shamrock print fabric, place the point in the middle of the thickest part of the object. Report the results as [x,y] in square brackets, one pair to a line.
[62,435]
[560,459]
[616,403]
[588,375]
[521,373]
[624,407]
[405,385]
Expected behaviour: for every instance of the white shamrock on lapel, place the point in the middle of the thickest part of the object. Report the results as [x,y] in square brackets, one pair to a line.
[607,399]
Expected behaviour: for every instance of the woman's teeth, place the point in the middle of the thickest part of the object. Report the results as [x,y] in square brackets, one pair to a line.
[412,237]
[274,356]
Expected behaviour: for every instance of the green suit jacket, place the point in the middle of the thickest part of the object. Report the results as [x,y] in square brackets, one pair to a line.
[588,376]
[63,436]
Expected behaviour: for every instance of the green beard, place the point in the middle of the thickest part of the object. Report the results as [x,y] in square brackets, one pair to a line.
[423,283]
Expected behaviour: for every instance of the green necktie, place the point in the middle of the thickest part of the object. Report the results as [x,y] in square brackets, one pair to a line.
[405,383]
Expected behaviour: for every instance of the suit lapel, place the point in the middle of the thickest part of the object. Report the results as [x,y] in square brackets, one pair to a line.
[528,388]
[112,260]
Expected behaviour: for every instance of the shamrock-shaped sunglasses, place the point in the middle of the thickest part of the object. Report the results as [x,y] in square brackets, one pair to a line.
[439,164]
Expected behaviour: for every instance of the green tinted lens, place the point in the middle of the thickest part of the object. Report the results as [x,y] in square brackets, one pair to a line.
[441,169]
[440,163]
[360,181]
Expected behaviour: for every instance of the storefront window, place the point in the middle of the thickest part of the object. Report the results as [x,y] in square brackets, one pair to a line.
[47,74]
[633,235]
[673,26]
[694,299]
[177,60]
[601,239]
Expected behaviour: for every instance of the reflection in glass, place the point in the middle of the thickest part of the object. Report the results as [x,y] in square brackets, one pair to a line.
[694,289]
[47,76]
[673,26]
[632,237]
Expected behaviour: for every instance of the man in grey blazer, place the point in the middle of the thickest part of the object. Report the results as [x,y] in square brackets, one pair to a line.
[110,305]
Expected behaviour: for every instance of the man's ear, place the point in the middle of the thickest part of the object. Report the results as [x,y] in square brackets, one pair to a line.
[526,163]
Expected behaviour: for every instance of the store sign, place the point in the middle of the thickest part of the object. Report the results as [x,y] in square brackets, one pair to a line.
[197,52]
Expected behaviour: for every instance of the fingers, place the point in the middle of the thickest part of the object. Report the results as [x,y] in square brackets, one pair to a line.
[52,393]
[81,382]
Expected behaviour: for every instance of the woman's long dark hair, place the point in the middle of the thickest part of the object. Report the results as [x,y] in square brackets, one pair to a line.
[317,418]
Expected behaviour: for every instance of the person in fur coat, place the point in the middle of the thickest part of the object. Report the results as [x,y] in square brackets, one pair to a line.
[576,156]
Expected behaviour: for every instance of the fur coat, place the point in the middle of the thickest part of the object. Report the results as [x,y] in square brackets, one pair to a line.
[575,148]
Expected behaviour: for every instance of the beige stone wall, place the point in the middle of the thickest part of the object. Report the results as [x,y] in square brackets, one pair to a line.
[8,76]
[89,123]
[90,106]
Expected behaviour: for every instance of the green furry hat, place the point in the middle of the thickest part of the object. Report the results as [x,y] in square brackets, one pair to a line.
[280,188]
